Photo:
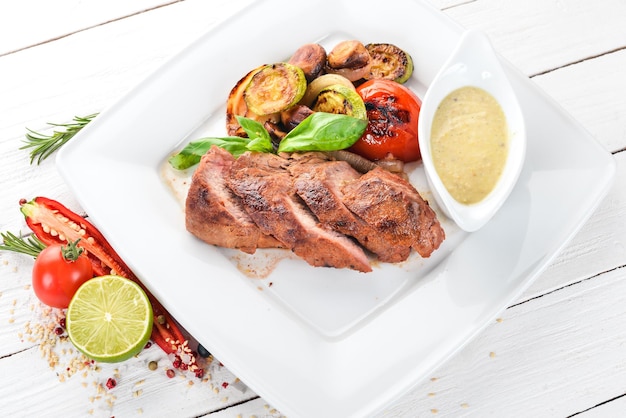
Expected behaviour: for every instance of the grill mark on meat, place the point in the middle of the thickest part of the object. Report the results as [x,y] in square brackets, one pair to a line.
[318,182]
[395,208]
[215,214]
[267,192]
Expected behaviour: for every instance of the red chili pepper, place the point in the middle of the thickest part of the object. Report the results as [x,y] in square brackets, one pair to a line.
[53,223]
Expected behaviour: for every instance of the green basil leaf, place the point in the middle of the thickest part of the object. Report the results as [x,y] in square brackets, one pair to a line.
[323,132]
[253,128]
[191,154]
[260,139]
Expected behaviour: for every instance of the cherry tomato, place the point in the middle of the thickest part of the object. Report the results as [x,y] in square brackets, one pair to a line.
[58,272]
[392,112]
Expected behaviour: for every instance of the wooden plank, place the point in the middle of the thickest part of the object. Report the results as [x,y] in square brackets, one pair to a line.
[30,388]
[553,356]
[539,36]
[119,56]
[31,22]
[592,92]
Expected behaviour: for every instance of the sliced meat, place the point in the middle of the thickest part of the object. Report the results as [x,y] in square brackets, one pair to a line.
[395,209]
[267,192]
[215,214]
[318,182]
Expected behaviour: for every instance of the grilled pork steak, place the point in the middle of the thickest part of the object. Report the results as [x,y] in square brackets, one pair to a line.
[311,204]
[397,211]
[215,214]
[267,191]
[318,182]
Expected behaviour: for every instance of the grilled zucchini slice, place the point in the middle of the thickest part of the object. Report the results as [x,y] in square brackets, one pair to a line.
[340,99]
[236,106]
[274,88]
[389,62]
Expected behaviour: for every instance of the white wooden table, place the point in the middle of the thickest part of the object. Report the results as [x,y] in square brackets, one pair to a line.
[559,351]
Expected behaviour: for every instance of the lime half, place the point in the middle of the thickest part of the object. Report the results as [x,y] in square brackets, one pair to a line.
[109,319]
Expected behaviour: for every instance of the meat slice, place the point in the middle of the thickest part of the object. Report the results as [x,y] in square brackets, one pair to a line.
[318,182]
[215,214]
[395,209]
[267,192]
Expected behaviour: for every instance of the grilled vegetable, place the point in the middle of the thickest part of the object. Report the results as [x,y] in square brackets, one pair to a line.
[389,62]
[320,83]
[311,59]
[393,113]
[349,59]
[274,88]
[292,117]
[348,54]
[236,106]
[340,99]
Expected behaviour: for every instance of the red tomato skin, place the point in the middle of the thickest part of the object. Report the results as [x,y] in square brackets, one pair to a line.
[392,112]
[55,279]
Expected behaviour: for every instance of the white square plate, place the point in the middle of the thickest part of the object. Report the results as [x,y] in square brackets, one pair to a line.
[314,341]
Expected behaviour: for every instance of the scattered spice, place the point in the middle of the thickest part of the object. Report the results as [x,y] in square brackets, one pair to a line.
[153,365]
[111,383]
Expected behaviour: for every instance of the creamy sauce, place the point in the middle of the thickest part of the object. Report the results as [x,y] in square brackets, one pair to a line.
[469,143]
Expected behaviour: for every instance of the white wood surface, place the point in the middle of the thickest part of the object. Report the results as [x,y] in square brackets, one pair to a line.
[559,351]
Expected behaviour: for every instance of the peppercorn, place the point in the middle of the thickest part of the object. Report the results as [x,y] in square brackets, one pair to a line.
[203,352]
[153,365]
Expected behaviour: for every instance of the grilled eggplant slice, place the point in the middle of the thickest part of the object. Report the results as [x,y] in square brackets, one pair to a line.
[389,62]
[340,99]
[236,106]
[274,88]
[311,58]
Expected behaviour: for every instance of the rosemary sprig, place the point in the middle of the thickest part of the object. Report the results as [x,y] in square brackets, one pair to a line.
[42,145]
[30,245]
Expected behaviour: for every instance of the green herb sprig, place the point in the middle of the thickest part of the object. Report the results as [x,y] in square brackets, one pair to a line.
[30,245]
[42,146]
